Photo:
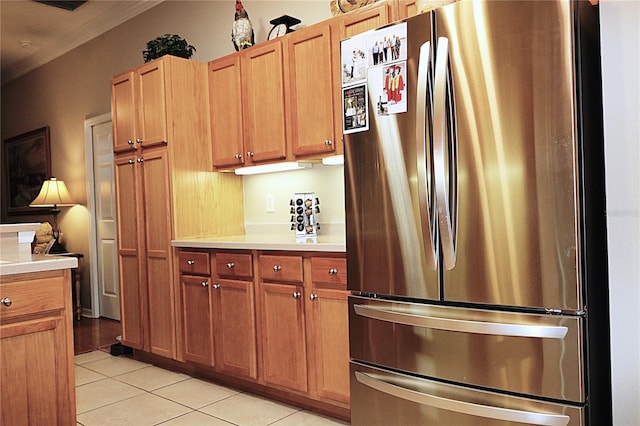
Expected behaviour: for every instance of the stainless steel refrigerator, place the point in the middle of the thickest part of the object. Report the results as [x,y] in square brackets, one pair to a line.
[475,217]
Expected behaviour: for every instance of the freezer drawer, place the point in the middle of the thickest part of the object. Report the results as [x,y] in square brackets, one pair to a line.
[539,355]
[383,397]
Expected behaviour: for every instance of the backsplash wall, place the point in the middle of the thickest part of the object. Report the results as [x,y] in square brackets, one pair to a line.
[326,181]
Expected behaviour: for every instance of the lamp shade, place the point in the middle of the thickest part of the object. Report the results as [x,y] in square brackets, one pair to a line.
[52,194]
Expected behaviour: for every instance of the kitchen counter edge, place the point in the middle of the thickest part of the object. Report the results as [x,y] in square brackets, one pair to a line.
[265,242]
[24,264]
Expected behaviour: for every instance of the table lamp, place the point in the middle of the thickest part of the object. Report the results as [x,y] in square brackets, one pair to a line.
[54,194]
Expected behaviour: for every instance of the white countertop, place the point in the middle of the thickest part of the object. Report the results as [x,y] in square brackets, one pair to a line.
[327,243]
[22,263]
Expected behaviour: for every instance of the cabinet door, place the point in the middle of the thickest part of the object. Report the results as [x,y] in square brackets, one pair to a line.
[235,327]
[364,20]
[36,382]
[151,104]
[284,357]
[310,94]
[264,103]
[123,112]
[196,317]
[158,254]
[225,100]
[405,9]
[330,313]
[133,296]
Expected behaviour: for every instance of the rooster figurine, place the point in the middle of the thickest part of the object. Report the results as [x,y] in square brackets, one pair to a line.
[242,31]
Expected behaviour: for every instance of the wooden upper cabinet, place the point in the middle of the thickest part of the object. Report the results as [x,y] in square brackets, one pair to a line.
[152,106]
[139,107]
[225,101]
[368,18]
[123,111]
[405,9]
[264,111]
[311,88]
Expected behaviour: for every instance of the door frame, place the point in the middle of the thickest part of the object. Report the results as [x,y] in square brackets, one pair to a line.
[89,123]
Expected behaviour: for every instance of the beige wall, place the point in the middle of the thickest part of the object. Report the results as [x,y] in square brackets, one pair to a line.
[64,92]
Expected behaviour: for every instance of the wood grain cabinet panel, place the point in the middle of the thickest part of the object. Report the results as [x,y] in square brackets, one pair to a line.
[36,350]
[197,324]
[264,113]
[281,268]
[235,327]
[225,100]
[311,90]
[283,336]
[329,313]
[164,191]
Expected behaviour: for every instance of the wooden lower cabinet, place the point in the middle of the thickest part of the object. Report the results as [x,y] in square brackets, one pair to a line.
[235,327]
[273,321]
[283,337]
[329,316]
[36,350]
[218,314]
[197,338]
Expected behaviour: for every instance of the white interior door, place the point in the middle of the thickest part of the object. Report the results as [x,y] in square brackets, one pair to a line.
[105,221]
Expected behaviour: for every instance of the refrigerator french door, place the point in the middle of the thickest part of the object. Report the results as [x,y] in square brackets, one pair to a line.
[475,224]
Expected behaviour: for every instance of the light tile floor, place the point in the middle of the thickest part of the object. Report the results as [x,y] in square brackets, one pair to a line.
[122,391]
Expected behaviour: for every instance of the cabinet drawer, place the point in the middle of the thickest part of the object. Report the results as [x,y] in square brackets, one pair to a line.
[329,270]
[234,264]
[39,295]
[281,268]
[194,262]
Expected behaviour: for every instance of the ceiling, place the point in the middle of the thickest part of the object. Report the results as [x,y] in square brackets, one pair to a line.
[33,33]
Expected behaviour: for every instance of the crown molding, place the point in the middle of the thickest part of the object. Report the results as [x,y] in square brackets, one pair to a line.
[100,24]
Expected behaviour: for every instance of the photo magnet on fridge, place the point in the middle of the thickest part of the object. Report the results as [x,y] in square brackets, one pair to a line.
[355,114]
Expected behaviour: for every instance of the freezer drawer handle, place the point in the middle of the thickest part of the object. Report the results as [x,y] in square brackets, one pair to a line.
[477,410]
[477,327]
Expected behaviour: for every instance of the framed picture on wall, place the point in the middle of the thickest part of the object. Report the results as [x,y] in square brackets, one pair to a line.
[27,163]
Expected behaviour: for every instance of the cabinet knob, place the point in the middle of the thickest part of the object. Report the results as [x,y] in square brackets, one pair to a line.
[138,140]
[131,162]
[328,142]
[238,156]
[140,160]
[216,286]
[277,268]
[130,142]
[296,295]
[250,153]
[6,301]
[230,265]
[333,271]
[204,283]
[313,296]
[191,262]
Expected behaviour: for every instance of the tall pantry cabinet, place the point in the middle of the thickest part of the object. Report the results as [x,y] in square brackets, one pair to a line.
[164,190]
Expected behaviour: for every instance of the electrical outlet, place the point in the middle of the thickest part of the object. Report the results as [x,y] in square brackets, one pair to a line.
[271,205]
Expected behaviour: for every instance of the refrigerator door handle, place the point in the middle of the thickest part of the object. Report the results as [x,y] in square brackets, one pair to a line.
[465,326]
[444,154]
[426,197]
[479,410]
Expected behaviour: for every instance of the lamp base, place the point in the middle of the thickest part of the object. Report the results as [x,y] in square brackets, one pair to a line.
[57,248]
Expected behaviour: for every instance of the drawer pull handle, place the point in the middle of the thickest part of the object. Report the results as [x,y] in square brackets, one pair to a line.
[296,295]
[230,265]
[333,271]
[6,301]
[204,283]
[277,268]
[313,296]
[216,286]
[191,262]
